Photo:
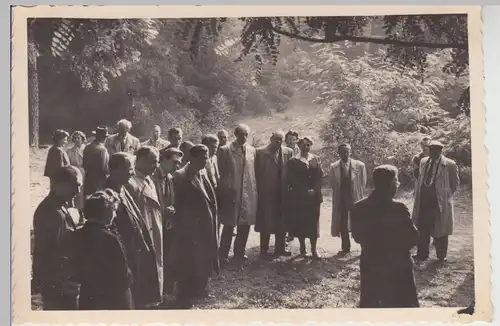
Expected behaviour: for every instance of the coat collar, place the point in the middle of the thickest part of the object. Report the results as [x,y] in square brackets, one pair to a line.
[197,180]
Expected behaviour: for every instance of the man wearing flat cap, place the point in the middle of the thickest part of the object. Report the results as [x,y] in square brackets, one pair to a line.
[170,161]
[433,207]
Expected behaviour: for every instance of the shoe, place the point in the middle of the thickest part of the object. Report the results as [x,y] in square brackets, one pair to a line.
[289,239]
[343,253]
[443,259]
[316,256]
[264,254]
[223,261]
[283,253]
[241,258]
[419,258]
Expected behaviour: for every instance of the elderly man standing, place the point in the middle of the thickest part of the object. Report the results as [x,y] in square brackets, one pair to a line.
[170,161]
[223,137]
[212,168]
[270,173]
[383,228]
[424,144]
[133,231]
[156,141]
[348,181]
[122,141]
[196,236]
[433,207]
[95,162]
[238,193]
[143,190]
[53,227]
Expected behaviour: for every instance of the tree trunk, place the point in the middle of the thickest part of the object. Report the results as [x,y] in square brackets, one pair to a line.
[34,108]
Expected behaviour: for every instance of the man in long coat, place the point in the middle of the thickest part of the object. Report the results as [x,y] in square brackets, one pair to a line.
[143,190]
[212,168]
[170,161]
[53,227]
[133,232]
[348,181]
[383,228]
[270,173]
[95,162]
[196,237]
[122,141]
[433,207]
[237,193]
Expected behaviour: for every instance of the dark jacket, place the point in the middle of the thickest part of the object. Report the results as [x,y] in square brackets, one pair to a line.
[103,270]
[95,164]
[56,158]
[54,247]
[386,234]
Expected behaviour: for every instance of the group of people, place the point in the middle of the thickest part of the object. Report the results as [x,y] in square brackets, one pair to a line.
[157,220]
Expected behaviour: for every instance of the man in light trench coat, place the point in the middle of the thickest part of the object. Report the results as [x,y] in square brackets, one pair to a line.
[237,193]
[348,181]
[433,207]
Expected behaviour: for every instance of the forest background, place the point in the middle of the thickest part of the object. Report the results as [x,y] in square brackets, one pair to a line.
[380,83]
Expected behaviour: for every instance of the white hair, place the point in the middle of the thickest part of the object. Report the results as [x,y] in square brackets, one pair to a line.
[124,123]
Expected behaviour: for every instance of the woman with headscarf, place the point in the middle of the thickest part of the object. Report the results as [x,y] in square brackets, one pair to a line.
[56,157]
[75,155]
[304,175]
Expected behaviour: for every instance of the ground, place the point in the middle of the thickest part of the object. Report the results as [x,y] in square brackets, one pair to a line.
[295,282]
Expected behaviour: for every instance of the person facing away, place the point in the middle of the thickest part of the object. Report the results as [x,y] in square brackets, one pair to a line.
[433,206]
[54,242]
[122,140]
[424,145]
[156,140]
[348,181]
[170,161]
[75,156]
[270,175]
[143,190]
[212,168]
[185,147]
[95,162]
[174,137]
[303,181]
[132,230]
[291,139]
[56,157]
[195,237]
[383,228]
[104,272]
[238,193]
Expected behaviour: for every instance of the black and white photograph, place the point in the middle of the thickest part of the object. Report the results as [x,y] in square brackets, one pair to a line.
[254,162]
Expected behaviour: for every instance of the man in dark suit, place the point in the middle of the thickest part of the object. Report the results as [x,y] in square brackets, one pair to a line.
[133,232]
[95,162]
[53,228]
[196,238]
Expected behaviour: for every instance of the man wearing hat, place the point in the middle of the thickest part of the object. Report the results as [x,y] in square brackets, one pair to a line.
[433,207]
[170,161]
[95,162]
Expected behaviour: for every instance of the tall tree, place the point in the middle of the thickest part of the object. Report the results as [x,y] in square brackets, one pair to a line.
[94,49]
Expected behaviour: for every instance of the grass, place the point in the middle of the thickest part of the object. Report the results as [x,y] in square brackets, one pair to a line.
[295,282]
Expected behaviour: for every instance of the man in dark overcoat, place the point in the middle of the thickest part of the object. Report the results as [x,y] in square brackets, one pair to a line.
[385,231]
[196,238]
[95,162]
[54,244]
[270,174]
[133,232]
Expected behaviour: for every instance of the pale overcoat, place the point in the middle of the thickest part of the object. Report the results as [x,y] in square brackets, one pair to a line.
[237,191]
[268,192]
[358,184]
[447,182]
[143,190]
[113,144]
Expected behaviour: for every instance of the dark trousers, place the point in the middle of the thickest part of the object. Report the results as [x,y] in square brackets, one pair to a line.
[344,227]
[168,266]
[240,242]
[59,301]
[440,244]
[279,242]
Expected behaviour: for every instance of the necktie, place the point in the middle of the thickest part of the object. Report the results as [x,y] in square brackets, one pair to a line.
[122,145]
[428,176]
